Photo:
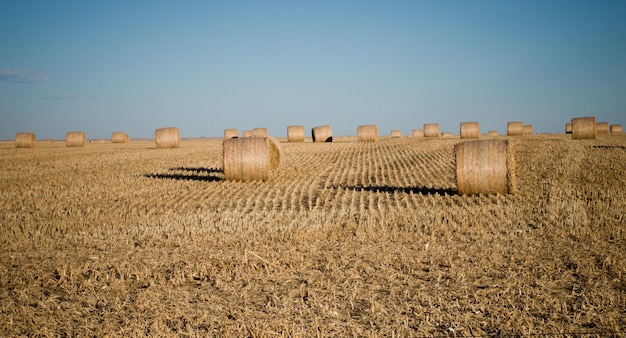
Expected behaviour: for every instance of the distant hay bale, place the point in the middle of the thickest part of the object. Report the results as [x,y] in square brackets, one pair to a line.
[515,128]
[322,134]
[584,128]
[602,127]
[485,167]
[367,133]
[251,158]
[568,128]
[447,134]
[417,133]
[246,133]
[493,133]
[470,130]
[231,133]
[119,137]
[25,140]
[431,130]
[295,134]
[167,137]
[528,129]
[99,141]
[75,139]
[259,132]
[616,129]
[395,133]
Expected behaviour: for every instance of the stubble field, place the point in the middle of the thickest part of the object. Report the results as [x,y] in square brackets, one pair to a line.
[348,239]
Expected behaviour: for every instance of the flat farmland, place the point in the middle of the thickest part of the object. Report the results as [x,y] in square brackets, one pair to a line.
[347,239]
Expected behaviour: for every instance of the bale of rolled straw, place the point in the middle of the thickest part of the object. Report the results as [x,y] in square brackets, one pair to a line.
[470,130]
[515,128]
[485,167]
[119,137]
[167,137]
[231,133]
[431,130]
[246,133]
[75,139]
[492,133]
[98,141]
[417,133]
[25,140]
[295,134]
[447,134]
[395,133]
[568,128]
[528,129]
[602,127]
[322,134]
[251,158]
[259,132]
[367,133]
[616,129]
[584,128]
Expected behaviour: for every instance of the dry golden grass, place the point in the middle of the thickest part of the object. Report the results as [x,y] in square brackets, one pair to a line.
[348,239]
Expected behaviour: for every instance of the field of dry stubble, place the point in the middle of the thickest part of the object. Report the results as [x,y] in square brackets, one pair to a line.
[348,239]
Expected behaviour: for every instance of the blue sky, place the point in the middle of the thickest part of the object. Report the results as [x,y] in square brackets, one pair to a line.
[205,66]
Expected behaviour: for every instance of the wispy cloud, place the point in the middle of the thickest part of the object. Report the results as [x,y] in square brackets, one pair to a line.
[18,75]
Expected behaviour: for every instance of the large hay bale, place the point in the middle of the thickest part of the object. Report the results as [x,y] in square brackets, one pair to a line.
[417,133]
[25,140]
[251,158]
[75,139]
[246,133]
[259,132]
[584,128]
[515,128]
[568,128]
[295,134]
[231,133]
[367,133]
[616,129]
[470,130]
[602,127]
[395,133]
[119,137]
[528,129]
[485,167]
[167,137]
[322,134]
[431,129]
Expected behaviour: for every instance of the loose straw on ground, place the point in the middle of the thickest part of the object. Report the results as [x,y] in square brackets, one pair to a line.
[431,130]
[231,133]
[584,128]
[515,128]
[167,137]
[295,134]
[75,139]
[485,167]
[119,137]
[322,134]
[251,158]
[25,140]
[470,130]
[367,133]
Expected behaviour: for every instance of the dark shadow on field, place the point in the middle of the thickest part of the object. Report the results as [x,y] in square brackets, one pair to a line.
[405,190]
[609,147]
[213,174]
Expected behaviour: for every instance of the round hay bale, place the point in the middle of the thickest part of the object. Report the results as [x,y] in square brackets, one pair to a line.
[25,140]
[447,134]
[99,141]
[231,133]
[485,167]
[75,139]
[119,137]
[616,129]
[602,127]
[259,132]
[167,137]
[431,129]
[251,158]
[367,133]
[493,133]
[246,133]
[295,134]
[470,130]
[322,134]
[395,133]
[584,128]
[568,128]
[515,128]
[417,133]
[528,129]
